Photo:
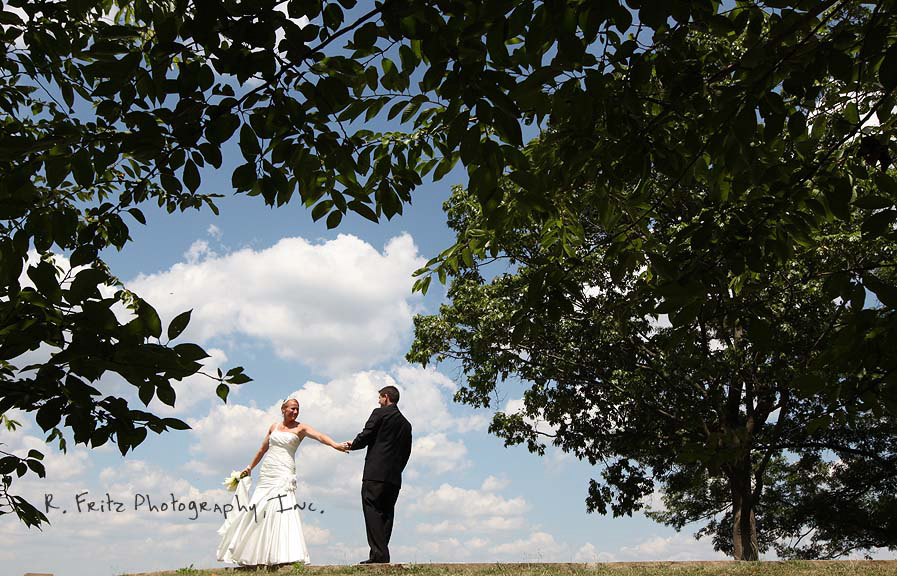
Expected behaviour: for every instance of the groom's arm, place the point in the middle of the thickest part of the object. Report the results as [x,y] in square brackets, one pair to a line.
[406,447]
[367,435]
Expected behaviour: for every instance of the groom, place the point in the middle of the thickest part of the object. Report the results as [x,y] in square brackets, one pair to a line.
[387,436]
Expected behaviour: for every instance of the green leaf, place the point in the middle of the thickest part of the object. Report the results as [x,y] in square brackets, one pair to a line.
[886,293]
[8,465]
[239,379]
[191,176]
[84,254]
[150,319]
[175,424]
[873,202]
[166,393]
[364,210]
[190,351]
[48,415]
[445,166]
[178,324]
[222,391]
[422,284]
[44,277]
[82,168]
[508,127]
[249,143]
[320,209]
[86,285]
[887,71]
[808,384]
[878,223]
[37,468]
[57,168]
[146,391]
[839,194]
[10,18]
[470,145]
[366,36]
[244,176]
[138,215]
[886,185]
[815,424]
[334,219]
[221,128]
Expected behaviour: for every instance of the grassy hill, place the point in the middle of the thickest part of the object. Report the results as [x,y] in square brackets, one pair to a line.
[791,568]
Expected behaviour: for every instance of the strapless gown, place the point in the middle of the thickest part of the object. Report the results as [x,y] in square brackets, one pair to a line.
[266,528]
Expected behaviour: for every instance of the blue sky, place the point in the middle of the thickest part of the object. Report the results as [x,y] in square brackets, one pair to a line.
[325,315]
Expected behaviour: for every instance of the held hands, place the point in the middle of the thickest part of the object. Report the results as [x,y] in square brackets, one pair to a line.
[343,446]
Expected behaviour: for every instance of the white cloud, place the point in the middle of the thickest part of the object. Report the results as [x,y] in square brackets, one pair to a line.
[515,406]
[654,501]
[447,549]
[335,306]
[495,484]
[424,402]
[215,232]
[538,547]
[229,435]
[678,547]
[440,454]
[451,501]
[487,525]
[588,553]
[197,251]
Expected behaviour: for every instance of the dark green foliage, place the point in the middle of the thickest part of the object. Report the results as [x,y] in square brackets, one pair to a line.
[722,173]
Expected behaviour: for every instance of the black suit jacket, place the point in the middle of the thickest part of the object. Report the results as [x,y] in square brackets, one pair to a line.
[387,436]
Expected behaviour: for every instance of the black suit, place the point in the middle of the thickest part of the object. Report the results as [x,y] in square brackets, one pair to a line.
[387,436]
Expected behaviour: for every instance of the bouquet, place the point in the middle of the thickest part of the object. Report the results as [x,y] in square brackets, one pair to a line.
[231,481]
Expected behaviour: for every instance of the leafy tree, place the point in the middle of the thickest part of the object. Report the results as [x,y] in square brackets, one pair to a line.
[109,104]
[730,409]
[727,181]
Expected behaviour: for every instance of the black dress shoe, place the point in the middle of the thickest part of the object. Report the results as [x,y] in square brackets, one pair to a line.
[369,561]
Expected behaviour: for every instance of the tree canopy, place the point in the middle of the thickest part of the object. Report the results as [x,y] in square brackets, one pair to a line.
[110,104]
[730,178]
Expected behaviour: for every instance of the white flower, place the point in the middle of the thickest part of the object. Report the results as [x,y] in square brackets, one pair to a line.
[231,481]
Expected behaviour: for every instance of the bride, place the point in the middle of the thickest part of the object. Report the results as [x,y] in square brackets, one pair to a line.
[266,528]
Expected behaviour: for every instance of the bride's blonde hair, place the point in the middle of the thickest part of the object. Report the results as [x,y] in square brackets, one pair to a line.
[287,401]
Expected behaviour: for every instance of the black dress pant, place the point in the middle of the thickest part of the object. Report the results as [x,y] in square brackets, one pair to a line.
[378,502]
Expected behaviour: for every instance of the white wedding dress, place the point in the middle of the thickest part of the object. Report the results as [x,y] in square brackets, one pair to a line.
[266,528]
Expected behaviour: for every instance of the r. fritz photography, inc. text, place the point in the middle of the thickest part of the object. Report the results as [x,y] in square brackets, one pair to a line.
[85,503]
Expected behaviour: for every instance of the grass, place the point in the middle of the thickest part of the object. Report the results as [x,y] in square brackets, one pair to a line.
[789,568]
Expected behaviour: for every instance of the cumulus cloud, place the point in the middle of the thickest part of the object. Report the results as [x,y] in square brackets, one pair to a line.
[230,434]
[588,553]
[215,232]
[197,251]
[678,547]
[335,306]
[538,547]
[439,454]
[495,484]
[452,501]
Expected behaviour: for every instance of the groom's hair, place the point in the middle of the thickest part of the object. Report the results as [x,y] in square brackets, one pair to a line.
[391,392]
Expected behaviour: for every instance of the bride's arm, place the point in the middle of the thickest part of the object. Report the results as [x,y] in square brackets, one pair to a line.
[260,453]
[322,438]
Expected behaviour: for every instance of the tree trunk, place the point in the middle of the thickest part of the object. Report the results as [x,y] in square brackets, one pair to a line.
[744,525]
